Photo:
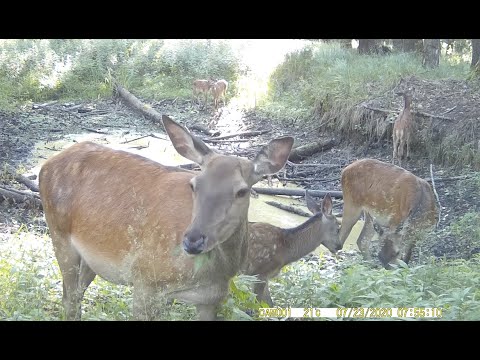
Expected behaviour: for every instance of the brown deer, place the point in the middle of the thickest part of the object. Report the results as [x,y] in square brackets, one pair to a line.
[202,87]
[219,89]
[270,248]
[402,129]
[164,230]
[399,201]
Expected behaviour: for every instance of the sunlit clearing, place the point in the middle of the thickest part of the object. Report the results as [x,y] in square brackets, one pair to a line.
[260,57]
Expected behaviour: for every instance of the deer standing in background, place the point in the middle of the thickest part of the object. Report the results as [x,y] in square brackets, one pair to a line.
[402,129]
[219,89]
[399,201]
[202,87]
[270,248]
[166,231]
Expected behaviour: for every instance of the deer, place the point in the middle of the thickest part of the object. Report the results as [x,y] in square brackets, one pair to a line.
[166,231]
[219,89]
[398,201]
[270,248]
[202,87]
[402,129]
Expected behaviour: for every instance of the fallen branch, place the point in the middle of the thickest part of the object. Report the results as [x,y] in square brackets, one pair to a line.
[296,192]
[288,208]
[436,195]
[40,106]
[245,133]
[16,196]
[204,130]
[133,102]
[138,138]
[419,113]
[225,141]
[461,177]
[304,151]
[94,130]
[22,179]
[315,165]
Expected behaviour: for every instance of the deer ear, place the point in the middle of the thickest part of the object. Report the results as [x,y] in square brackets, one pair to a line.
[272,157]
[312,205]
[186,144]
[327,205]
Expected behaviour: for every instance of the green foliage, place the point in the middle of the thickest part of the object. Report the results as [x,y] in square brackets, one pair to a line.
[37,70]
[451,285]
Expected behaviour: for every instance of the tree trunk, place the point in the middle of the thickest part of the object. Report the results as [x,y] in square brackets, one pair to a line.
[398,45]
[411,45]
[431,53]
[475,52]
[346,43]
[366,46]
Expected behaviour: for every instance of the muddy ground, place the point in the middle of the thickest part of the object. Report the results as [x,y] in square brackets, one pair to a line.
[43,125]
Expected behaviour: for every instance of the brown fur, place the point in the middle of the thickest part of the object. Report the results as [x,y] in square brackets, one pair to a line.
[402,130]
[398,200]
[132,220]
[219,89]
[270,248]
[202,87]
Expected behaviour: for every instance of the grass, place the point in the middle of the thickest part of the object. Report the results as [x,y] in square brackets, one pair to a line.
[31,286]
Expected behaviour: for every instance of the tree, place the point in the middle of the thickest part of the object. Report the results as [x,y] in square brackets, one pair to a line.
[431,53]
[367,46]
[475,53]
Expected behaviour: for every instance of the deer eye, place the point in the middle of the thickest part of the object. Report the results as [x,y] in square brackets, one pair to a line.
[192,186]
[242,192]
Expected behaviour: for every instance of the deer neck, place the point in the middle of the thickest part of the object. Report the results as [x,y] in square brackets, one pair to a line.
[303,239]
[225,260]
[408,102]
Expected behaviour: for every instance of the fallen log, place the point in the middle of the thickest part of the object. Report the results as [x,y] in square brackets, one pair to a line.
[296,192]
[132,101]
[245,133]
[301,152]
[288,208]
[16,196]
[204,130]
[32,185]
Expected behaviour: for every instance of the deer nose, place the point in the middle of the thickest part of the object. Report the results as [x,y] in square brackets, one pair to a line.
[194,242]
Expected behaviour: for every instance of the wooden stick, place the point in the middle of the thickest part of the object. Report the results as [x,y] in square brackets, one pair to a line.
[19,196]
[288,208]
[245,133]
[296,192]
[436,195]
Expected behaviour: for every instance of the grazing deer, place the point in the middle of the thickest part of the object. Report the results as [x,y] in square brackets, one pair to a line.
[219,89]
[399,201]
[402,129]
[202,87]
[164,230]
[270,248]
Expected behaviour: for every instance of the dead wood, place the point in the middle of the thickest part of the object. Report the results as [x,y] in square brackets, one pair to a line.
[32,185]
[301,152]
[16,196]
[204,130]
[419,113]
[245,133]
[296,192]
[133,102]
[288,208]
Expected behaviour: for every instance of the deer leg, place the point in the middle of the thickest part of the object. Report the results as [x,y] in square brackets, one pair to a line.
[207,312]
[350,218]
[410,240]
[263,293]
[395,144]
[143,301]
[69,262]
[390,252]
[365,237]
